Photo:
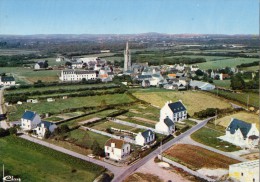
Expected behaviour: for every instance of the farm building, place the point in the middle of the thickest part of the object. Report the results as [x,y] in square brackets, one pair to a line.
[241,133]
[245,171]
[77,75]
[175,111]
[201,85]
[7,80]
[144,138]
[117,149]
[30,120]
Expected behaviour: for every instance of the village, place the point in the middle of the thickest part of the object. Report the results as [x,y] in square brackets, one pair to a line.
[117,116]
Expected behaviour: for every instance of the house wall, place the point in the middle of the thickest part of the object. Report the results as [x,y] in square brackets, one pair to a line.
[8,83]
[244,174]
[166,111]
[117,154]
[76,77]
[161,126]
[36,66]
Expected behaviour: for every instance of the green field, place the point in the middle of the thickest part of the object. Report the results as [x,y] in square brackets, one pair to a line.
[33,162]
[15,112]
[222,83]
[209,136]
[232,62]
[108,124]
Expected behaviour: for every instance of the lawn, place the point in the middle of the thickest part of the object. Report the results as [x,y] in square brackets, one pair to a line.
[193,100]
[32,162]
[244,116]
[108,124]
[198,157]
[15,112]
[87,137]
[209,136]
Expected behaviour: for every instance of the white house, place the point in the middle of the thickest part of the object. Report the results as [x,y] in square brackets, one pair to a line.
[201,85]
[165,126]
[144,138]
[43,126]
[77,75]
[7,80]
[30,120]
[76,65]
[241,133]
[245,171]
[117,149]
[175,111]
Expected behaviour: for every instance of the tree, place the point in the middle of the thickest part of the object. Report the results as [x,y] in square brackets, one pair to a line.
[96,149]
[47,134]
[45,64]
[4,132]
[199,73]
[237,82]
[64,128]
[12,131]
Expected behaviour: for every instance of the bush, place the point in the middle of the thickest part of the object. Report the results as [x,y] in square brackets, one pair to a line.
[4,132]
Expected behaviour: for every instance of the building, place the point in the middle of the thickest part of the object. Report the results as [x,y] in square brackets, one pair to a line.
[127,61]
[41,65]
[241,133]
[117,149]
[43,126]
[145,83]
[245,171]
[7,80]
[30,120]
[175,111]
[201,85]
[77,75]
[90,62]
[145,138]
[165,126]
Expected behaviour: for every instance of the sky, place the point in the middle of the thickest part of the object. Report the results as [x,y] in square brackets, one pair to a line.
[27,17]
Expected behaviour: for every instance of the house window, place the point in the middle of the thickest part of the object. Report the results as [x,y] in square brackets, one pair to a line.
[253,179]
[242,174]
[123,150]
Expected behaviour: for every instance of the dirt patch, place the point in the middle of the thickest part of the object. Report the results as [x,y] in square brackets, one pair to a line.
[252,156]
[198,157]
[143,119]
[134,111]
[144,177]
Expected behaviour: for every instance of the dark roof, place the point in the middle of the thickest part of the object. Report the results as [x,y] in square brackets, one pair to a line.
[7,78]
[144,76]
[147,133]
[239,124]
[168,121]
[29,115]
[177,107]
[47,124]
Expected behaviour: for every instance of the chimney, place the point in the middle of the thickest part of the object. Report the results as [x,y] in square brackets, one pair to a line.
[180,101]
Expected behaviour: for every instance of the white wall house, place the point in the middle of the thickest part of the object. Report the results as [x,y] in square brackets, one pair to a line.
[165,126]
[241,133]
[43,126]
[245,171]
[176,111]
[7,80]
[77,75]
[145,138]
[116,149]
[30,120]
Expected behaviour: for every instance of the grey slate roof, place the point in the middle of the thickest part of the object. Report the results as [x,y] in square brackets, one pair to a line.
[239,124]
[168,121]
[29,115]
[7,78]
[147,133]
[177,107]
[47,124]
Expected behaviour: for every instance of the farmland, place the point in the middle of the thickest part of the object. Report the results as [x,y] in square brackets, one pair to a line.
[198,157]
[208,136]
[193,100]
[245,116]
[16,111]
[44,164]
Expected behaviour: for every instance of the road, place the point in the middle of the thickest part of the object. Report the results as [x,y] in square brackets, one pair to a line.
[138,164]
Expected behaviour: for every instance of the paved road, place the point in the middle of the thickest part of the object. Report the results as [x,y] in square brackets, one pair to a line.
[138,164]
[114,169]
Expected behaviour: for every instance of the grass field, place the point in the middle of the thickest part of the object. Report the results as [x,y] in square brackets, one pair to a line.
[232,62]
[240,97]
[209,136]
[193,100]
[27,75]
[245,116]
[15,112]
[198,157]
[108,124]
[222,83]
[32,162]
